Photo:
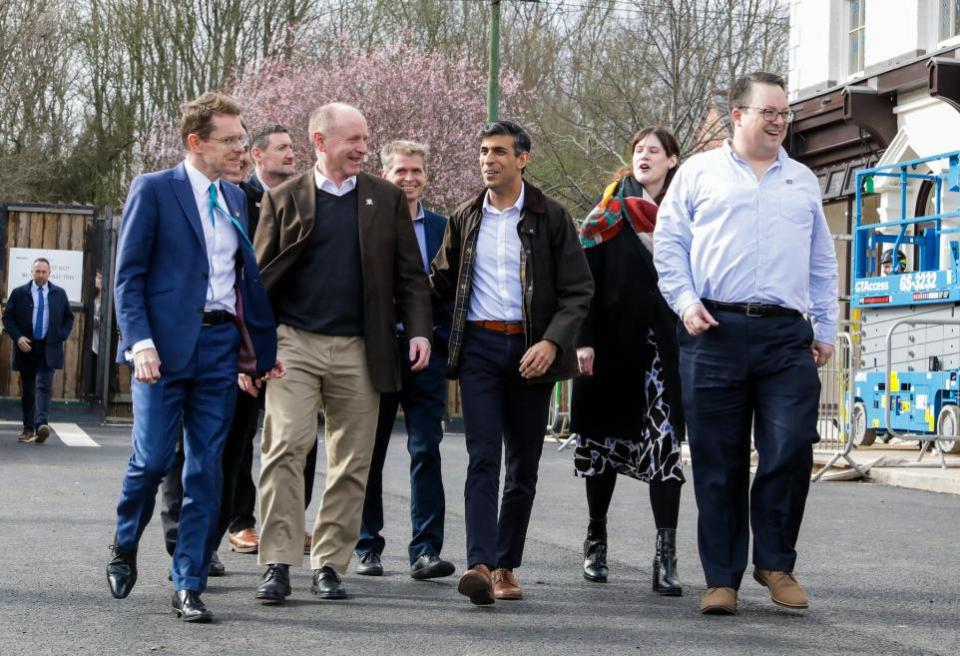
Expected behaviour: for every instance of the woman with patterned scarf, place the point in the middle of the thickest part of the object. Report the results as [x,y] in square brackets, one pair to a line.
[626,407]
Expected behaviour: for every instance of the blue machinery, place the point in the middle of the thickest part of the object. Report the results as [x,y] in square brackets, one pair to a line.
[909,341]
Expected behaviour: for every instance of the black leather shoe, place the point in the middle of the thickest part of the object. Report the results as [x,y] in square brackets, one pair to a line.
[327,584]
[121,571]
[429,566]
[595,560]
[369,564]
[665,579]
[276,584]
[188,607]
[215,568]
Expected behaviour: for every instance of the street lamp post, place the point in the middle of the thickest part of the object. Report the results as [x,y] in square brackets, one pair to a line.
[493,76]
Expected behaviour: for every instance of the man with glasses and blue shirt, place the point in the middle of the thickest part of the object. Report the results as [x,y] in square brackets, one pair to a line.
[745,257]
[192,314]
[38,319]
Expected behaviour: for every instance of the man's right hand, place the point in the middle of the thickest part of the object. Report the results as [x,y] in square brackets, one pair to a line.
[146,366]
[24,344]
[697,320]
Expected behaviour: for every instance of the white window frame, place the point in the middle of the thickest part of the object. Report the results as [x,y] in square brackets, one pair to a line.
[856,32]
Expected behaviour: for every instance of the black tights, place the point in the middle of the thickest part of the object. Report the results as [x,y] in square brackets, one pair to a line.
[664,500]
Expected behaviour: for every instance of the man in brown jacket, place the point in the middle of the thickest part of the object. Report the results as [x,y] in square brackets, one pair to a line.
[339,259]
[512,264]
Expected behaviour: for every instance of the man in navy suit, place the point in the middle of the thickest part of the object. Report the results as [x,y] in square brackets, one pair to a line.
[38,319]
[423,396]
[192,314]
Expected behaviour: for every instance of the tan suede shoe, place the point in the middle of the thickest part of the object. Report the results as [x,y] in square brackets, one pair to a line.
[505,585]
[784,589]
[719,601]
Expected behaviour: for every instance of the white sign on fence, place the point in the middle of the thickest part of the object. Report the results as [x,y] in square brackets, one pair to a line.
[66,269]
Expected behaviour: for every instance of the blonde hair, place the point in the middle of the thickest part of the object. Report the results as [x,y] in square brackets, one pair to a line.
[403,147]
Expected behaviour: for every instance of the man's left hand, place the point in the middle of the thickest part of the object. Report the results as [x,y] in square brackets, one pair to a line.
[538,359]
[279,371]
[419,353]
[821,352]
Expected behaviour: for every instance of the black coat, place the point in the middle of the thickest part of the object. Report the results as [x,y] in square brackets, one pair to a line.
[18,322]
[626,304]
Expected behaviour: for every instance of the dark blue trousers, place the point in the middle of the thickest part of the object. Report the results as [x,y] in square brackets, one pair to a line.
[505,418]
[203,395]
[35,381]
[748,373]
[423,397]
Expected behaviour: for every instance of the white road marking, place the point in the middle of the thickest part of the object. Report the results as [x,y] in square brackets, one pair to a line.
[69,434]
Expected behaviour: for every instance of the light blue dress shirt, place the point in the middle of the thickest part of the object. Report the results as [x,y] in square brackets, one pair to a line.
[497,293]
[726,236]
[45,290]
[421,232]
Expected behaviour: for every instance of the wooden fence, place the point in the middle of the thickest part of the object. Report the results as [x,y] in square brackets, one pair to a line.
[53,227]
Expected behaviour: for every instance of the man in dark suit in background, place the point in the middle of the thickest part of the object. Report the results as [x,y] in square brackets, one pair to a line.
[423,396]
[38,319]
[340,262]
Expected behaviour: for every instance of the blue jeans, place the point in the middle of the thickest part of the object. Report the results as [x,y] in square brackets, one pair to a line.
[423,397]
[203,394]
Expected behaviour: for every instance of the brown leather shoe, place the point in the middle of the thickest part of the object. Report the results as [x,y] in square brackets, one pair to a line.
[719,601]
[307,543]
[25,437]
[245,541]
[784,589]
[505,585]
[476,584]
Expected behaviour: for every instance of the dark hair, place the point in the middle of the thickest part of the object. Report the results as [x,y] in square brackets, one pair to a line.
[198,114]
[670,147]
[521,140]
[740,90]
[260,138]
[42,259]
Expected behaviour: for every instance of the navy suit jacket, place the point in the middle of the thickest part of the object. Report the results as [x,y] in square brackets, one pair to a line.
[434,227]
[18,322]
[162,273]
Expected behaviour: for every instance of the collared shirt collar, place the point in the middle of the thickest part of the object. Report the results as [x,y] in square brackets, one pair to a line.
[420,214]
[33,285]
[487,207]
[326,184]
[263,183]
[199,181]
[728,148]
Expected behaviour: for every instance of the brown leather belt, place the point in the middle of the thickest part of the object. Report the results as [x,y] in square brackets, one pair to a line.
[504,327]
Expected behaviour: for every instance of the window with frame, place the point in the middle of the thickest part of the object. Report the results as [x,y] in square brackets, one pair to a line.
[857,35]
[949,19]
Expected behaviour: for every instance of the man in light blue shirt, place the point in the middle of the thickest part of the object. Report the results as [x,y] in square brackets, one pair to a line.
[744,255]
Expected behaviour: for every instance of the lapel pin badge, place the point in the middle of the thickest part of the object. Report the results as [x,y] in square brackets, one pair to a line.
[369,201]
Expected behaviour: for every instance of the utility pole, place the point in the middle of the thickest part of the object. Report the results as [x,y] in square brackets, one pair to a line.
[493,76]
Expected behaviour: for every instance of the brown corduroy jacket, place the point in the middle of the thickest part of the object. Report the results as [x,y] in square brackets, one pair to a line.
[554,276]
[393,278]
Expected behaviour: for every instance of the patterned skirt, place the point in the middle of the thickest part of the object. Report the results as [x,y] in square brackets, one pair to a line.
[655,457]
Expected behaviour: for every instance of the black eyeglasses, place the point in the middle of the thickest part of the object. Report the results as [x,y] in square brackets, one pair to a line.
[770,115]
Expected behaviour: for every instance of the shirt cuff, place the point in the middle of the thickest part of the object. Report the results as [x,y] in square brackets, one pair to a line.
[142,345]
[685,300]
[825,333]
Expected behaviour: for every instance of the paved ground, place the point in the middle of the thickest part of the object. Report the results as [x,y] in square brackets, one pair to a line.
[879,563]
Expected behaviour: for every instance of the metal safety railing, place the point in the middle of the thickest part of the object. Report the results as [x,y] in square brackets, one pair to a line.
[833,419]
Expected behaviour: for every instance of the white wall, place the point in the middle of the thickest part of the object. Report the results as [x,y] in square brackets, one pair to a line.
[815,26]
[893,28]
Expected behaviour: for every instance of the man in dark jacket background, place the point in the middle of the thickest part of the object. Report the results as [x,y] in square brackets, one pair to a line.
[512,264]
[38,319]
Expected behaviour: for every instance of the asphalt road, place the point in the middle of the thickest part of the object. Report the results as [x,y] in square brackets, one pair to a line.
[879,565]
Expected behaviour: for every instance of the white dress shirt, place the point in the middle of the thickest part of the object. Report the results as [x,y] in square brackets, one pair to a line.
[221,241]
[35,292]
[726,236]
[326,184]
[497,292]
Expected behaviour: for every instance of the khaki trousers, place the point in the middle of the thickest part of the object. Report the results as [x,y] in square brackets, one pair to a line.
[328,372]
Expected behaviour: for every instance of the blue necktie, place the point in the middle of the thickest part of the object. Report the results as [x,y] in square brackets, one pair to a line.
[215,207]
[38,327]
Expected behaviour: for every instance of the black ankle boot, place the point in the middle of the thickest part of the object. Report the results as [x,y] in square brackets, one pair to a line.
[665,579]
[595,558]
